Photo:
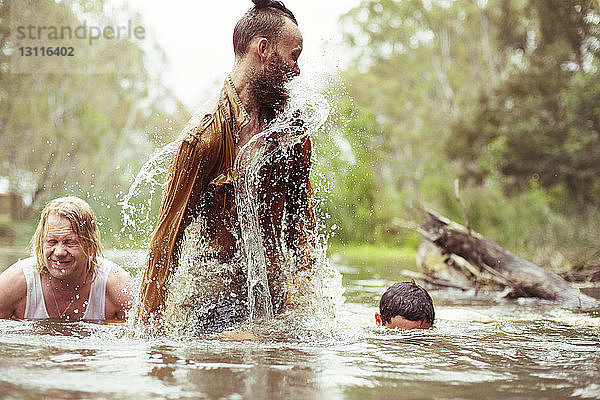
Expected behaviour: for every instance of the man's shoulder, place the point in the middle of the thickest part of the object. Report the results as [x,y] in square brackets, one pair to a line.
[13,291]
[109,267]
[120,287]
[22,266]
[115,271]
[106,263]
[203,119]
[196,131]
[14,276]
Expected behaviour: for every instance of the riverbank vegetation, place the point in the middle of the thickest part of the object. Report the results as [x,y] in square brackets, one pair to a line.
[503,95]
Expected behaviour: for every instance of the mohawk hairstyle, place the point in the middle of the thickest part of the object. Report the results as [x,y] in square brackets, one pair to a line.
[265,19]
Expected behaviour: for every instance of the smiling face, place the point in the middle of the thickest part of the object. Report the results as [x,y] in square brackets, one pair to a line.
[63,254]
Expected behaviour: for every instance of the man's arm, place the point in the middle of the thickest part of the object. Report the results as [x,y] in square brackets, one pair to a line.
[195,160]
[301,225]
[13,292]
[301,220]
[119,293]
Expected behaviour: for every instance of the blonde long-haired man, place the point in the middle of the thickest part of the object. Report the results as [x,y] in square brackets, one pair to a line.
[66,277]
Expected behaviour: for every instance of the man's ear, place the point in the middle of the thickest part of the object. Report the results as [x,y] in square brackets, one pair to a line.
[377,318]
[262,47]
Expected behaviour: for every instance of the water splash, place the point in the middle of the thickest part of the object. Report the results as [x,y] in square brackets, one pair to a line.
[275,143]
[139,219]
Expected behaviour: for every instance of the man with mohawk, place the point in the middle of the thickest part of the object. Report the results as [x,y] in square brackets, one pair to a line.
[199,189]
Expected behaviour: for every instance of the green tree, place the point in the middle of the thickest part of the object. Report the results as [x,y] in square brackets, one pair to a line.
[85,134]
[538,123]
[501,93]
[419,66]
[344,173]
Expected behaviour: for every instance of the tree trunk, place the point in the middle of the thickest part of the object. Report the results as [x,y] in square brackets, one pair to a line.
[449,252]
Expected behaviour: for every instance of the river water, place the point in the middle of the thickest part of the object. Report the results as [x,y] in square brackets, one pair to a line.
[532,349]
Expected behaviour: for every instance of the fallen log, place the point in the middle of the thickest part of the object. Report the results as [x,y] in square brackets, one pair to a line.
[582,273]
[450,252]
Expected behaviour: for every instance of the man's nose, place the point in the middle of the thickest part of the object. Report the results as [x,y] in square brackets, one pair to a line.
[60,249]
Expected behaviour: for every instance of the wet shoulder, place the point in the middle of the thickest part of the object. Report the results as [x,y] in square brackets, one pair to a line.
[113,271]
[202,125]
[120,287]
[21,267]
[105,265]
[13,284]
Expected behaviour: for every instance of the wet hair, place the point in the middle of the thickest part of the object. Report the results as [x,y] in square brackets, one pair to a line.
[265,19]
[83,223]
[407,300]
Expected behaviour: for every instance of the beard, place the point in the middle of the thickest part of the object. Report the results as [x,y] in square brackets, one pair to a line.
[268,89]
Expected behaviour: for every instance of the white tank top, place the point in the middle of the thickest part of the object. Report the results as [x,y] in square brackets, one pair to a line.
[36,306]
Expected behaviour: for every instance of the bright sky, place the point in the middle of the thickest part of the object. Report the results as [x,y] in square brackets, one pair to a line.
[196,37]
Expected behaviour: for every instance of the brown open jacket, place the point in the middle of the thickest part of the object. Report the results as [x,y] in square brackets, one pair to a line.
[199,183]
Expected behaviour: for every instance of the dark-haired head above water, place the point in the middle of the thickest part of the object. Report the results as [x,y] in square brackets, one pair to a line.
[405,305]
